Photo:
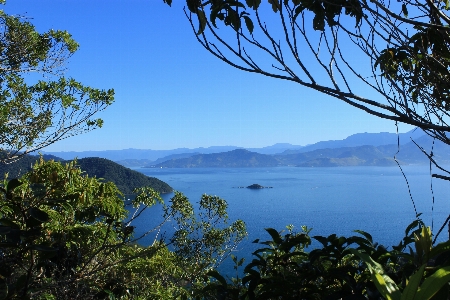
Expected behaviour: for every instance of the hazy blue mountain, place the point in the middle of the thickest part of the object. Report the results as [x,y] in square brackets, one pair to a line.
[151,155]
[412,154]
[145,157]
[238,158]
[366,155]
[172,157]
[347,162]
[362,139]
[135,163]
[345,156]
[144,163]
[275,149]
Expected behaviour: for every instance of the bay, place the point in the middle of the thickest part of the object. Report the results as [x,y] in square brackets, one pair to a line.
[328,200]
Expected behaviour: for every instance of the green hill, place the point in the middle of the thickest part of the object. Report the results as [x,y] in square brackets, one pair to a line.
[125,179]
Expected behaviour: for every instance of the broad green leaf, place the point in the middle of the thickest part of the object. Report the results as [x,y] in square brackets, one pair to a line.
[413,284]
[385,285]
[434,283]
[12,184]
[365,234]
[414,223]
[387,290]
[217,276]
[439,248]
[39,214]
[275,235]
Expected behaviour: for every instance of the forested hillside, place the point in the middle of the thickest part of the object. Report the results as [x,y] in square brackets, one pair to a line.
[125,179]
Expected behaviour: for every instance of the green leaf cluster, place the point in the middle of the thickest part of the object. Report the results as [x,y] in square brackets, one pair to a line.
[36,114]
[65,235]
[340,268]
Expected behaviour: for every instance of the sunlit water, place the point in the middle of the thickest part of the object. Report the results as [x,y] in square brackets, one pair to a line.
[329,200]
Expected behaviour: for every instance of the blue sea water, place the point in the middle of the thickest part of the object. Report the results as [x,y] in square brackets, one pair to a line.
[328,200]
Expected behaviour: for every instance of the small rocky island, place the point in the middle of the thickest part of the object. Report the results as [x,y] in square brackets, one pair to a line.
[258,186]
[254,186]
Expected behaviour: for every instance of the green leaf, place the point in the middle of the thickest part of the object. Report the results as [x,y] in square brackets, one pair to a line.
[275,235]
[218,277]
[434,283]
[201,21]
[385,285]
[214,15]
[405,13]
[253,3]
[192,5]
[439,249]
[323,240]
[366,235]
[249,24]
[319,22]
[275,5]
[414,281]
[38,214]
[386,290]
[12,184]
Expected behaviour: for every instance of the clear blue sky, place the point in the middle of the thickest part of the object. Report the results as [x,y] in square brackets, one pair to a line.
[171,93]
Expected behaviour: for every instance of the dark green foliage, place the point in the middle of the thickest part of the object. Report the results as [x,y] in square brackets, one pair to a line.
[340,268]
[23,165]
[65,235]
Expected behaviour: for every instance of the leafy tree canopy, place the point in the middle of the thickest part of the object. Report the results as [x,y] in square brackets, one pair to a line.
[65,235]
[37,113]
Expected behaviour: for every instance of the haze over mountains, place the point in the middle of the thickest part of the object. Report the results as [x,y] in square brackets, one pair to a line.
[361,149]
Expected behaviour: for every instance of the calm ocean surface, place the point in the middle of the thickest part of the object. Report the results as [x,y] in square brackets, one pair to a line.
[329,200]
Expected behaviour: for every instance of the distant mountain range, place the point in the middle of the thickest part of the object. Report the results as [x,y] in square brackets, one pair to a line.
[361,149]
[238,158]
[363,139]
[366,155]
